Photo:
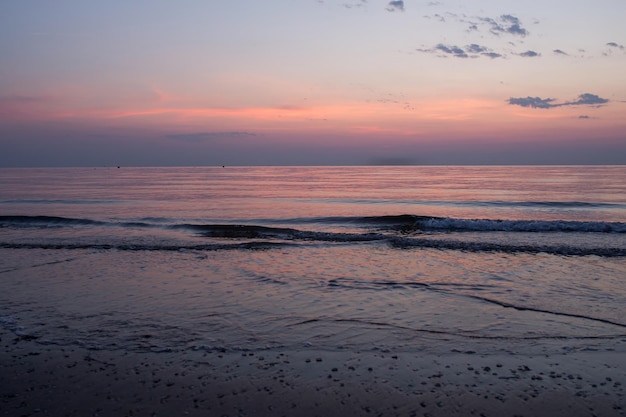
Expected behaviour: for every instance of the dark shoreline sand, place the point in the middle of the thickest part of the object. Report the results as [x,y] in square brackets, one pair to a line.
[50,380]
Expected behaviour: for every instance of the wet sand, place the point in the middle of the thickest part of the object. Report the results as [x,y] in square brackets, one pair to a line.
[51,380]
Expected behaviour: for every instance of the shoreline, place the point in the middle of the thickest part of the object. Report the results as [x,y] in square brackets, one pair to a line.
[40,379]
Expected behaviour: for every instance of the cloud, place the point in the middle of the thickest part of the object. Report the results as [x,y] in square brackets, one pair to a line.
[207,136]
[529,54]
[505,24]
[612,47]
[395,5]
[513,25]
[469,51]
[492,55]
[534,102]
[451,50]
[476,49]
[584,116]
[585,99]
[615,45]
[560,52]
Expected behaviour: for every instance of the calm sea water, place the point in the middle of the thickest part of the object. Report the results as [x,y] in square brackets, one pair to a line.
[403,258]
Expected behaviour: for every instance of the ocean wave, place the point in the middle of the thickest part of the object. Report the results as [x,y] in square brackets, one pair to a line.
[333,239]
[46,221]
[416,223]
[489,225]
[263,232]
[399,232]
[403,222]
[255,245]
[480,246]
[57,222]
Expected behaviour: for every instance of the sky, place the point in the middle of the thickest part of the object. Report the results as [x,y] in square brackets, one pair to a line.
[312,82]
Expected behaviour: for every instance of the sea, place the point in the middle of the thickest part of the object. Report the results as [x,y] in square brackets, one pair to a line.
[486,259]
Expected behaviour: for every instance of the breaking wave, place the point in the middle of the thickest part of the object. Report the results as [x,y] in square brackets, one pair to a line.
[405,222]
[400,232]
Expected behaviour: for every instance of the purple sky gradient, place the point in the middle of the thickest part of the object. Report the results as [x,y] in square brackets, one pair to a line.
[312,82]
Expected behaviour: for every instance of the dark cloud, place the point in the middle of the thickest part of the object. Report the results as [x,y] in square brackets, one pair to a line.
[585,99]
[505,24]
[451,50]
[584,116]
[476,49]
[534,102]
[513,25]
[560,52]
[615,45]
[208,136]
[469,51]
[395,5]
[530,54]
[492,55]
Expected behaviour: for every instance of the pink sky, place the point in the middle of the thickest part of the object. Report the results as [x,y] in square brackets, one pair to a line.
[317,82]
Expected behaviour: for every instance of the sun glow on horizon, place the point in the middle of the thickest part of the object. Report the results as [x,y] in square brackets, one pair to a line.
[430,74]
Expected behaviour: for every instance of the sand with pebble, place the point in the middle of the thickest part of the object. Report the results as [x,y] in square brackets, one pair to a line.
[40,380]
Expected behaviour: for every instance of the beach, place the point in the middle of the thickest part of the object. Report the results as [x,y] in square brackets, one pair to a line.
[77,344]
[320,208]
[268,291]
[72,381]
